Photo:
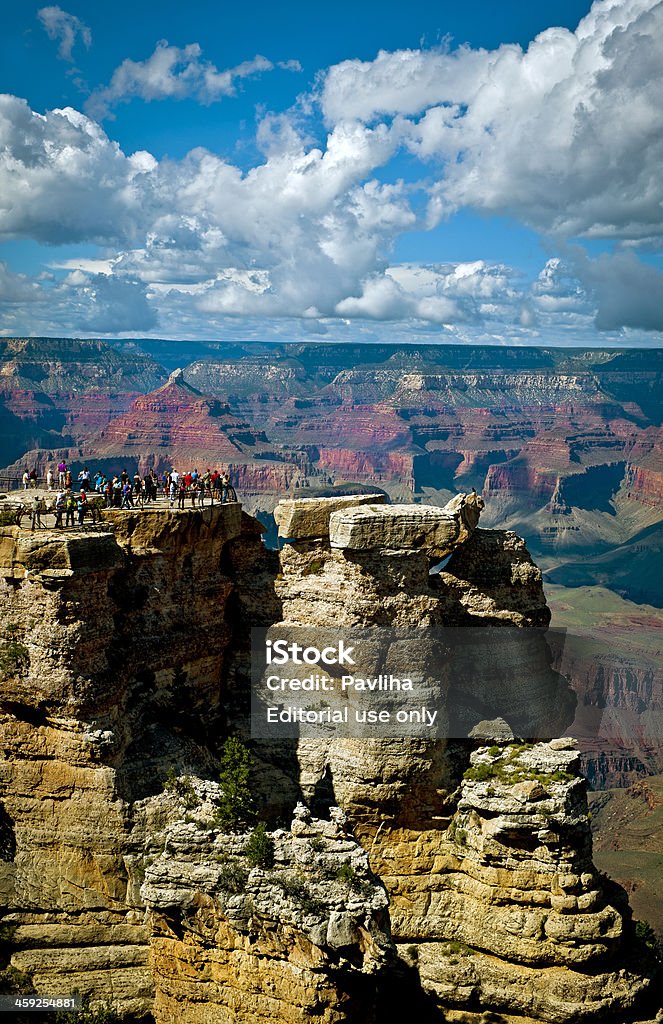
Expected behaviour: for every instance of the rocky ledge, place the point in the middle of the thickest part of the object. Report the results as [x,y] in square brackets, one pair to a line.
[304,933]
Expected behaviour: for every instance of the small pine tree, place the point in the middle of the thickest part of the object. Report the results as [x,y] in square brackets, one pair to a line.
[260,848]
[236,808]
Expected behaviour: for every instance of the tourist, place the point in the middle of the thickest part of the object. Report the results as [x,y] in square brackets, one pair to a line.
[95,508]
[26,480]
[37,509]
[60,508]
[70,508]
[62,470]
[81,506]
[33,478]
[68,480]
[49,479]
[225,484]
[127,500]
[181,493]
[172,491]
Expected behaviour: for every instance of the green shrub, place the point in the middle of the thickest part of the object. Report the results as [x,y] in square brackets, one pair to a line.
[646,934]
[509,770]
[233,877]
[481,772]
[182,788]
[346,873]
[15,983]
[235,809]
[297,890]
[260,848]
[457,948]
[313,568]
[14,659]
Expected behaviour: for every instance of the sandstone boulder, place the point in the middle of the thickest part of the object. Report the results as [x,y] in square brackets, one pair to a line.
[406,527]
[309,517]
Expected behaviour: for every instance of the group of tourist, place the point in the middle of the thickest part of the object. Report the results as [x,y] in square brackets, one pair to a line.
[97,490]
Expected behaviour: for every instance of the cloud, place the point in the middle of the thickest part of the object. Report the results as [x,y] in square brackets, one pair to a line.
[557,289]
[66,28]
[626,291]
[15,288]
[566,135]
[110,305]
[173,72]
[63,180]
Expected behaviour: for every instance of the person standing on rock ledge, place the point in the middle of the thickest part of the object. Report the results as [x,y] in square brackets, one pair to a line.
[70,508]
[37,509]
[81,505]
[60,508]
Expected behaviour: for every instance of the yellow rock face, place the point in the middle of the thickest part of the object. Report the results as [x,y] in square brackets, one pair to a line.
[125,656]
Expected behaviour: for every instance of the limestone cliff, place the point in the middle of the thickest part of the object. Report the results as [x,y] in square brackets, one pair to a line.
[421,874]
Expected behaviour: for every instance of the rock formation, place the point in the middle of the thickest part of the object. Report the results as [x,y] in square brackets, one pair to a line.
[392,869]
[307,935]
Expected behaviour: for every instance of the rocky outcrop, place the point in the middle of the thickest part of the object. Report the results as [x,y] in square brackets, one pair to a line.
[517,882]
[406,527]
[306,934]
[113,649]
[468,871]
[309,517]
[65,365]
[126,661]
[176,425]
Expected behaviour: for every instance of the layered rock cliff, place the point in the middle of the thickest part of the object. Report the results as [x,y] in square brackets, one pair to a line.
[397,869]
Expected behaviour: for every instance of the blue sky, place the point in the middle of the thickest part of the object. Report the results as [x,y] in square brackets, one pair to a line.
[451,172]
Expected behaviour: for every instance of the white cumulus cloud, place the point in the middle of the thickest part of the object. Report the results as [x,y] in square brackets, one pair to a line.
[567,135]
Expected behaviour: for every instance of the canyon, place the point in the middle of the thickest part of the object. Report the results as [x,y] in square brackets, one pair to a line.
[446,877]
[563,444]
